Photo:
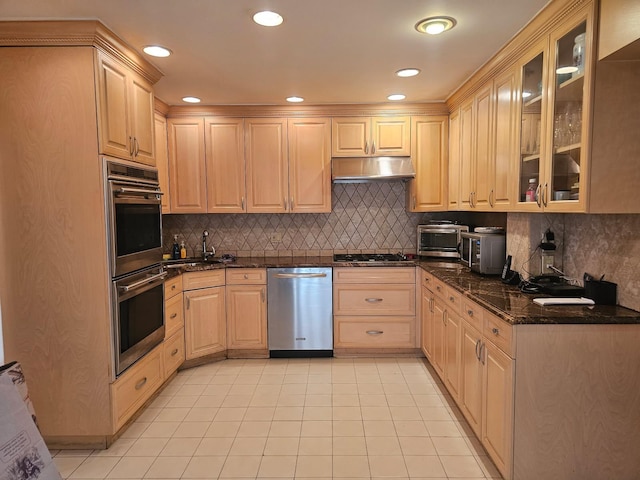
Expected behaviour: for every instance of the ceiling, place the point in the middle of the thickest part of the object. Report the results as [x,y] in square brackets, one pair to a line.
[326,51]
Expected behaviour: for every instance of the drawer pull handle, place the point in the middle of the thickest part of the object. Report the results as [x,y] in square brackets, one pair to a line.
[175,351]
[373,300]
[246,277]
[141,383]
[173,315]
[495,331]
[374,332]
[470,313]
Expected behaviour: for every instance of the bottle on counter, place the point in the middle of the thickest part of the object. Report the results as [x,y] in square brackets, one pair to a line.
[183,250]
[175,252]
[530,196]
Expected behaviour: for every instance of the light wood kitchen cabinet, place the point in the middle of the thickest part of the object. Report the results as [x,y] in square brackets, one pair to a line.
[173,306]
[162,160]
[467,147]
[204,313]
[428,190]
[246,309]
[267,165]
[187,171]
[471,390]
[225,165]
[173,352]
[125,112]
[619,35]
[309,142]
[371,136]
[427,315]
[453,194]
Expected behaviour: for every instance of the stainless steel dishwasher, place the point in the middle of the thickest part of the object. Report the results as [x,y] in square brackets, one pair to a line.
[300,312]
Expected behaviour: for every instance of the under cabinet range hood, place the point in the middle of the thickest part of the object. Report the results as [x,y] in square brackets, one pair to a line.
[369,169]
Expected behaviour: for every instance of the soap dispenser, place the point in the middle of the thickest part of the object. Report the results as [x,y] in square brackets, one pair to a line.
[183,250]
[175,252]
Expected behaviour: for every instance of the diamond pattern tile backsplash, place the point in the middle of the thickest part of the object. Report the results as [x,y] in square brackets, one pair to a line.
[365,217]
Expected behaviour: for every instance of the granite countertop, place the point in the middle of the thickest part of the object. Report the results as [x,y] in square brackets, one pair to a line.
[515,307]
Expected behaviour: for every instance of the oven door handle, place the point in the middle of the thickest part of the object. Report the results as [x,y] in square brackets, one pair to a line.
[137,191]
[139,283]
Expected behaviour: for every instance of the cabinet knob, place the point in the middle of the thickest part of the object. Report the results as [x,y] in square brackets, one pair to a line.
[495,331]
[452,299]
[174,352]
[173,315]
[173,287]
[470,313]
[246,277]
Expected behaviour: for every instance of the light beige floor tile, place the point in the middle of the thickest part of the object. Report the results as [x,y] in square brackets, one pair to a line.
[405,413]
[95,467]
[236,401]
[349,446]
[351,466]
[435,413]
[442,429]
[264,414]
[422,388]
[319,379]
[190,390]
[348,428]
[241,466]
[147,447]
[271,379]
[135,430]
[343,378]
[314,466]
[387,466]
[191,430]
[248,446]
[285,428]
[488,467]
[149,414]
[291,400]
[345,389]
[379,428]
[417,446]
[264,401]
[315,446]
[319,385]
[219,446]
[160,401]
[168,467]
[371,400]
[131,467]
[186,401]
[209,401]
[180,447]
[451,446]
[400,400]
[317,413]
[241,389]
[230,414]
[376,413]
[396,389]
[218,389]
[201,414]
[294,389]
[160,430]
[475,446]
[367,378]
[429,400]
[383,446]
[316,428]
[118,449]
[295,379]
[392,378]
[67,465]
[288,413]
[461,466]
[370,389]
[247,379]
[281,446]
[352,400]
[204,467]
[277,467]
[254,429]
[424,466]
[222,429]
[317,401]
[347,413]
[410,428]
[267,390]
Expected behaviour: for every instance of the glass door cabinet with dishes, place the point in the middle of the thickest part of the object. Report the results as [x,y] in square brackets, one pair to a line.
[555,85]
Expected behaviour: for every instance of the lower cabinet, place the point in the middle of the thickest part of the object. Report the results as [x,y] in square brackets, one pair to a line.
[204,313]
[173,353]
[246,309]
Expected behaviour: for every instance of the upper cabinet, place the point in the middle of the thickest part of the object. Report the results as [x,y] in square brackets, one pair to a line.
[371,136]
[427,192]
[619,30]
[125,112]
[162,160]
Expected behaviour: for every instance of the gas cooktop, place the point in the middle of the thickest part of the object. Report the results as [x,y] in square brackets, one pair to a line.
[369,257]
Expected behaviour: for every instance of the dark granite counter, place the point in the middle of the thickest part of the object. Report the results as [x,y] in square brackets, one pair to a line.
[510,304]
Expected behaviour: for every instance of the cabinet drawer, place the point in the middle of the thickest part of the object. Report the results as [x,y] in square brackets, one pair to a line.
[499,332]
[472,313]
[439,288]
[173,315]
[454,299]
[196,280]
[426,279]
[173,353]
[375,332]
[374,299]
[172,287]
[246,276]
[135,386]
[374,275]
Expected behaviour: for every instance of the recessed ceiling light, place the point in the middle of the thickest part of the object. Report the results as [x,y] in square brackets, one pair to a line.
[156,51]
[567,69]
[408,72]
[268,18]
[435,25]
[526,94]
[191,99]
[295,99]
[396,97]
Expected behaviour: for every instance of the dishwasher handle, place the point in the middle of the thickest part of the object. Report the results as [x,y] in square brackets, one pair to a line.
[300,275]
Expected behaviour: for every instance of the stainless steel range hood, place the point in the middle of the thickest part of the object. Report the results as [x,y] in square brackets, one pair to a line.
[369,169]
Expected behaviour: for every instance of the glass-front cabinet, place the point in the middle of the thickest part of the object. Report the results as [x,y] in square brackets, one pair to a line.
[555,83]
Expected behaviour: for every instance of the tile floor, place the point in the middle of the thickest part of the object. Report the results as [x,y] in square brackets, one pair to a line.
[294,418]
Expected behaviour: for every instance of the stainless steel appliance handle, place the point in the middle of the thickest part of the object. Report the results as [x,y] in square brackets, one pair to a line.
[300,275]
[137,191]
[139,283]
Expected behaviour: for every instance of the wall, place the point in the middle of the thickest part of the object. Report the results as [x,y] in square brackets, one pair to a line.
[365,217]
[598,244]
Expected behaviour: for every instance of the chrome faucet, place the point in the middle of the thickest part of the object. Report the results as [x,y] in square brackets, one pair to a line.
[206,254]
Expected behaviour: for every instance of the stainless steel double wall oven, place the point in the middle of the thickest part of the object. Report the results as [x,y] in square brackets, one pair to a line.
[134,230]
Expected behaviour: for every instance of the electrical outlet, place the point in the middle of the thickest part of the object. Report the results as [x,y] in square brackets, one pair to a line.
[547,260]
[275,237]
